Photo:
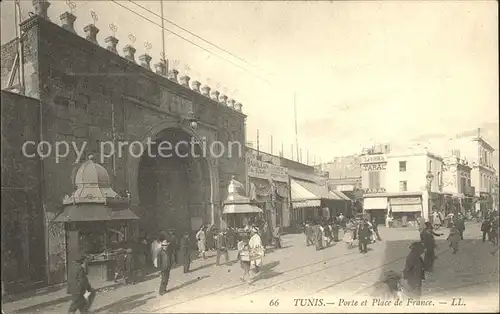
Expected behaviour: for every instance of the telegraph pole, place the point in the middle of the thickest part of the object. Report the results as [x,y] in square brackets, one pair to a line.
[296,133]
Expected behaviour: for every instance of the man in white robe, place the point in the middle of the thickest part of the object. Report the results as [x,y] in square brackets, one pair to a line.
[256,250]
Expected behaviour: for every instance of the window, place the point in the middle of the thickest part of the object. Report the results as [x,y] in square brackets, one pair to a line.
[374,180]
[403,186]
[402,166]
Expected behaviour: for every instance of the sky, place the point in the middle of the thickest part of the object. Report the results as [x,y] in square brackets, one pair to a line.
[362,72]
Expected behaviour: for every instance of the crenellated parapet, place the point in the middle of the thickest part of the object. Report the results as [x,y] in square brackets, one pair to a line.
[161,68]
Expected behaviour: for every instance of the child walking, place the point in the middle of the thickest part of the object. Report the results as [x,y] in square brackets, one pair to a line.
[244,256]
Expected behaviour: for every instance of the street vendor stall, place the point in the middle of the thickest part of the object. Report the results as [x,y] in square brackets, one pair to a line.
[98,222]
[238,210]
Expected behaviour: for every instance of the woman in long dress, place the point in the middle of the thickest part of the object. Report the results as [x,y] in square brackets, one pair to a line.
[201,241]
[256,250]
[349,233]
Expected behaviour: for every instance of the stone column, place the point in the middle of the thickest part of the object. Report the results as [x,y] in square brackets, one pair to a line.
[68,22]
[223,99]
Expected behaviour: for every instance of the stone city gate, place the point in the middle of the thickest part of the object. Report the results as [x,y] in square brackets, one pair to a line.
[90,94]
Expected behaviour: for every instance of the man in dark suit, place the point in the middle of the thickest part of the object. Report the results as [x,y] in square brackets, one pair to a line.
[165,262]
[222,247]
[186,254]
[78,286]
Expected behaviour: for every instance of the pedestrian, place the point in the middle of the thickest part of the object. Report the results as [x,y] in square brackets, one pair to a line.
[120,266]
[277,237]
[375,228]
[78,286]
[317,236]
[387,288]
[421,224]
[413,273]
[460,225]
[185,252]
[494,231]
[349,234]
[335,229]
[427,238]
[173,245]
[165,265]
[155,248]
[200,240]
[454,238]
[222,247]
[129,267]
[244,256]
[308,231]
[364,234]
[256,250]
[486,228]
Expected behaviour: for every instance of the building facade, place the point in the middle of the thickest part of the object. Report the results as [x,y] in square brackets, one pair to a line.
[457,184]
[479,154]
[88,94]
[395,184]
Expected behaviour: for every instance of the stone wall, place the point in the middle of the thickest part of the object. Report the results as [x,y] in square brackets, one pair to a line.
[90,94]
[23,253]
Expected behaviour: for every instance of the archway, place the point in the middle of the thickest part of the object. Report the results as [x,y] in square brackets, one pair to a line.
[174,189]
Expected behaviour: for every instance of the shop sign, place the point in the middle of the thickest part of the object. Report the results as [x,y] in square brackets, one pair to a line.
[374,166]
[405,201]
[374,191]
[267,171]
[368,159]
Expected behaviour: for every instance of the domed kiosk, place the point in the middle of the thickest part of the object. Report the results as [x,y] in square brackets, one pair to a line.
[97,221]
[238,209]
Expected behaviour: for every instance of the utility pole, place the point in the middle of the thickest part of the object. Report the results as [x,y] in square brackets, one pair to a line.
[258,146]
[296,132]
[272,145]
[163,39]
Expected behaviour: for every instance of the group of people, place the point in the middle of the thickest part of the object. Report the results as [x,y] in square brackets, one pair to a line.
[489,228]
[322,234]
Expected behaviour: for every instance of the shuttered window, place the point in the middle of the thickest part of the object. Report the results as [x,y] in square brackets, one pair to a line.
[374,180]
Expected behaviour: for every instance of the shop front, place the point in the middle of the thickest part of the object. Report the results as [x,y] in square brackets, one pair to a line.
[312,202]
[268,188]
[405,210]
[98,223]
[375,207]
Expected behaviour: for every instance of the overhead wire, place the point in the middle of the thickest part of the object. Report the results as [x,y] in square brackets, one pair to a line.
[191,33]
[191,42]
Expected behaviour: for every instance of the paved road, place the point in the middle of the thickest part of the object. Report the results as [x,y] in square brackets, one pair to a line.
[297,271]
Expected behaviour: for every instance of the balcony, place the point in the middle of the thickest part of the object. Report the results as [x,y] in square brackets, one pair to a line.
[470,190]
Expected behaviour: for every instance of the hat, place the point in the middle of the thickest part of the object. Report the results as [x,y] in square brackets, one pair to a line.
[417,245]
[164,243]
[129,250]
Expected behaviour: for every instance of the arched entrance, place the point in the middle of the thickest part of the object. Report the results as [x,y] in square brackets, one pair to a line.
[174,190]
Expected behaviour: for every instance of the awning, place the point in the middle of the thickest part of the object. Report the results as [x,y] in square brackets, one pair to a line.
[241,209]
[300,193]
[342,195]
[319,192]
[307,203]
[93,212]
[374,203]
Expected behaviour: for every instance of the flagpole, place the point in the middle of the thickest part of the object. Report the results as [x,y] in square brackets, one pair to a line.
[163,38]
[296,133]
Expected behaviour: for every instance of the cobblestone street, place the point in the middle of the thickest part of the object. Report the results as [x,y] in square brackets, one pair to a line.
[297,271]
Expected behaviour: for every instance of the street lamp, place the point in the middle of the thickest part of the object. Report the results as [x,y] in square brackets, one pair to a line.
[191,118]
[429,177]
